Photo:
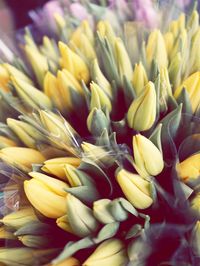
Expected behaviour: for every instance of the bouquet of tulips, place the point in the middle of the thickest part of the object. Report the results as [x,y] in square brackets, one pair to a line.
[100,146]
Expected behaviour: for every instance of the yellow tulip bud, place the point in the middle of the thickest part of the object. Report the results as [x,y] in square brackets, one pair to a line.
[135,188]
[71,176]
[142,112]
[68,88]
[100,79]
[122,60]
[193,22]
[80,217]
[63,223]
[52,91]
[192,85]
[109,253]
[4,79]
[6,142]
[60,21]
[189,169]
[195,204]
[52,200]
[34,241]
[195,239]
[148,158]
[165,88]
[139,78]
[86,30]
[26,133]
[175,70]
[176,26]
[68,262]
[194,63]
[19,218]
[99,99]
[21,157]
[101,211]
[169,42]
[30,95]
[48,49]
[156,49]
[106,31]
[38,62]
[59,128]
[13,71]
[73,63]
[56,166]
[4,234]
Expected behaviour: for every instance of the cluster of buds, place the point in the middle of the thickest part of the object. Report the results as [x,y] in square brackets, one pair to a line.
[99,142]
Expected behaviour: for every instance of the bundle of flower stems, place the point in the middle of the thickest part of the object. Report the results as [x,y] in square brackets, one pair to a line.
[100,147]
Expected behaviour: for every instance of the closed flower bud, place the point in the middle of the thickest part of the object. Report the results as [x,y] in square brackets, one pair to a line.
[56,166]
[68,262]
[49,48]
[5,234]
[148,158]
[122,60]
[109,253]
[80,217]
[13,71]
[136,189]
[6,142]
[189,169]
[99,99]
[25,132]
[69,90]
[97,121]
[175,70]
[105,30]
[156,49]
[86,30]
[142,112]
[194,63]
[30,95]
[192,85]
[195,204]
[63,223]
[52,200]
[73,63]
[21,157]
[100,79]
[169,42]
[38,62]
[34,241]
[139,78]
[165,88]
[4,78]
[19,218]
[195,239]
[101,211]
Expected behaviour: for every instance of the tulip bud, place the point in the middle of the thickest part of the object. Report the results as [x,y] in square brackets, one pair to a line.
[38,62]
[136,189]
[56,166]
[52,200]
[4,79]
[97,121]
[100,79]
[86,30]
[4,234]
[193,22]
[51,90]
[156,50]
[60,21]
[194,63]
[80,217]
[13,71]
[165,88]
[110,252]
[19,218]
[176,26]
[148,158]
[101,211]
[6,142]
[192,85]
[105,30]
[195,204]
[142,112]
[139,78]
[49,49]
[99,99]
[97,154]
[34,241]
[175,70]
[195,239]
[69,90]
[25,132]
[73,63]
[30,95]
[63,223]
[169,42]
[189,169]
[122,60]
[21,157]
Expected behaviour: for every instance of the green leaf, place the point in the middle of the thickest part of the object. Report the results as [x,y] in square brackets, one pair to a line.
[134,231]
[108,231]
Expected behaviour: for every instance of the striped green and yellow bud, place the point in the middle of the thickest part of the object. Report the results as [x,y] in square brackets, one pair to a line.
[139,78]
